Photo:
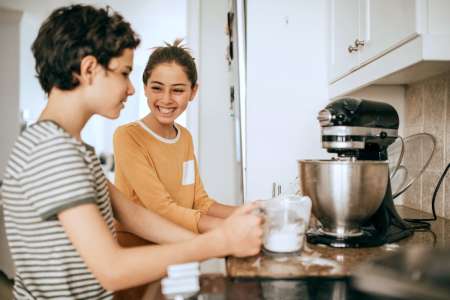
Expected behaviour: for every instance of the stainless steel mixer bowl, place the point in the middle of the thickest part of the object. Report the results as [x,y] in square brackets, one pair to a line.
[344,193]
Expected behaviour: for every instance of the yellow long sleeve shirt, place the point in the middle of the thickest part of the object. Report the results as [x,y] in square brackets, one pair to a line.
[160,174]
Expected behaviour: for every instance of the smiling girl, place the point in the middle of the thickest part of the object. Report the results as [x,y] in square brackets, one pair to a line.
[155,161]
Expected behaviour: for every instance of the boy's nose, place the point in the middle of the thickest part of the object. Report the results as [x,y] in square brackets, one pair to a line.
[131,89]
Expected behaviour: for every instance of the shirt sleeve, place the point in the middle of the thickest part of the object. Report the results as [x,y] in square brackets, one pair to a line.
[57,177]
[202,201]
[140,173]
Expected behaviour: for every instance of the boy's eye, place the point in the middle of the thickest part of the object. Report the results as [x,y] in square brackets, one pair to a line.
[155,88]
[178,90]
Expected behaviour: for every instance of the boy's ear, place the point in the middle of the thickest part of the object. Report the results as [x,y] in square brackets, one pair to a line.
[194,92]
[88,66]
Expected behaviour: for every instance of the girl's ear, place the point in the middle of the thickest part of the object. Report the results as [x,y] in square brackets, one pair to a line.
[194,92]
[88,67]
[146,88]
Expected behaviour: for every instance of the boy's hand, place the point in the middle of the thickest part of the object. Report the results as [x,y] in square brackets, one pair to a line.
[242,231]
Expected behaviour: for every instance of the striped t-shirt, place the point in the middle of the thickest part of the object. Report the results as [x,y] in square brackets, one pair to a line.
[48,172]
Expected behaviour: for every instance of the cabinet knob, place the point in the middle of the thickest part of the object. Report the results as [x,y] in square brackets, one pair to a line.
[359,43]
[352,49]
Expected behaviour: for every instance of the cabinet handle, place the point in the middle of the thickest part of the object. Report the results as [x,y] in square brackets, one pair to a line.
[352,49]
[359,43]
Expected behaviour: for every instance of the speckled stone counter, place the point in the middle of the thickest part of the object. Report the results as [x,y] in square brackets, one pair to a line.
[218,287]
[324,261]
[318,273]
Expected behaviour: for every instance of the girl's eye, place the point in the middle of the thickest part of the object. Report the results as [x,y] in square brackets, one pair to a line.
[155,88]
[178,90]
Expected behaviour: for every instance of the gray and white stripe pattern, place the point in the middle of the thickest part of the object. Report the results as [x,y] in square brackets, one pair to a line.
[49,171]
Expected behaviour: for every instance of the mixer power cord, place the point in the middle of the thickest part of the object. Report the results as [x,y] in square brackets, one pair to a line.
[423,223]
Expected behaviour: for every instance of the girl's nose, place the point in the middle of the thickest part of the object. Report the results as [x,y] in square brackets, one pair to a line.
[166,97]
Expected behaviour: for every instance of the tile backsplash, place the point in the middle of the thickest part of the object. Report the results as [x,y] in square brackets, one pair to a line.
[428,110]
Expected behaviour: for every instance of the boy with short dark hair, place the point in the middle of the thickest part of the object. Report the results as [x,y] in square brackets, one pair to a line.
[59,206]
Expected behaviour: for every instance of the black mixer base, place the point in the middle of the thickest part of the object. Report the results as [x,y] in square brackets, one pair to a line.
[369,238]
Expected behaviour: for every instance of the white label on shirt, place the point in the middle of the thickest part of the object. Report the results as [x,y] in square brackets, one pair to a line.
[188,172]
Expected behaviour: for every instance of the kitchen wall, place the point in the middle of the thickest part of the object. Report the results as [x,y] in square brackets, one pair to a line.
[9,82]
[216,143]
[428,110]
[286,88]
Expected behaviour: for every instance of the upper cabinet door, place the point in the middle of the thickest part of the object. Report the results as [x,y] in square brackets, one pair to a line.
[384,25]
[344,29]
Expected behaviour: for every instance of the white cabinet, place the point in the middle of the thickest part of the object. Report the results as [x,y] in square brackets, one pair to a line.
[384,25]
[403,41]
[344,30]
[362,30]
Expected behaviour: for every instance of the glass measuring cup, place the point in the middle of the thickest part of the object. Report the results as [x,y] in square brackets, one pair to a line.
[287,219]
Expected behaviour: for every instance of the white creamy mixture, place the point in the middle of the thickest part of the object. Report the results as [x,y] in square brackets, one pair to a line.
[288,238]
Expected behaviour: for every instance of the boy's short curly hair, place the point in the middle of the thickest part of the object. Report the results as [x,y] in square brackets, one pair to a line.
[176,53]
[73,32]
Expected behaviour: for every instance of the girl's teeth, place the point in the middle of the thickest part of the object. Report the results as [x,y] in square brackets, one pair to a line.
[165,110]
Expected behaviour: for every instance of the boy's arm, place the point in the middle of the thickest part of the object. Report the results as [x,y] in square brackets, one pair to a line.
[144,222]
[118,268]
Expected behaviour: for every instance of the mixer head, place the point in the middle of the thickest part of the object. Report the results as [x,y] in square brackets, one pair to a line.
[357,128]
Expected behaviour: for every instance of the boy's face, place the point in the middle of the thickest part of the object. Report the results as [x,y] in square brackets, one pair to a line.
[168,92]
[111,88]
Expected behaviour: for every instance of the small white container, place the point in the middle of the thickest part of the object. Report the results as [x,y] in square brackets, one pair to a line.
[182,281]
[287,219]
[183,270]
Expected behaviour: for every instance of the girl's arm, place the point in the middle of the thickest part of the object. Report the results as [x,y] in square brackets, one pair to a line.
[212,212]
[207,223]
[221,210]
[215,216]
[118,268]
[144,222]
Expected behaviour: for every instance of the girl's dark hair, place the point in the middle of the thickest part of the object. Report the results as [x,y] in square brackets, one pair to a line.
[73,32]
[176,53]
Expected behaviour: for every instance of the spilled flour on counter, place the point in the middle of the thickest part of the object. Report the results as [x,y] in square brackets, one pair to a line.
[391,247]
[281,259]
[311,264]
[309,261]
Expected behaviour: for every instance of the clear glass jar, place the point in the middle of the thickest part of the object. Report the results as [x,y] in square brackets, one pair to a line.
[287,219]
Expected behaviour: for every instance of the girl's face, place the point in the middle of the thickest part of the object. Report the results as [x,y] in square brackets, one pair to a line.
[168,92]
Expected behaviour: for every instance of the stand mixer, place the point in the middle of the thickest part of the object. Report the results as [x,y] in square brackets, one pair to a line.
[351,193]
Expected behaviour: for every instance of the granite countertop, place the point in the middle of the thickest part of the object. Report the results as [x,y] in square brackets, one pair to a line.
[320,272]
[323,261]
[219,287]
